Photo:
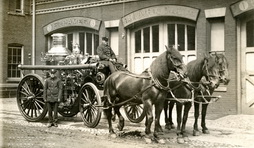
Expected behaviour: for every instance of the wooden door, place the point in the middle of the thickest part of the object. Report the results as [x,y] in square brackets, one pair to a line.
[247,65]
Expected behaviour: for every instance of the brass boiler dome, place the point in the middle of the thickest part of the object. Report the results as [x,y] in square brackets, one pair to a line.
[58,52]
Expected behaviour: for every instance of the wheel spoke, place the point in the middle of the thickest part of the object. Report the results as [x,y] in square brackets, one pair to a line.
[38,104]
[28,88]
[26,93]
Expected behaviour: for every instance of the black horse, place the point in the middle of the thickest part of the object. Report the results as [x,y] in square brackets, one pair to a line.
[149,88]
[208,67]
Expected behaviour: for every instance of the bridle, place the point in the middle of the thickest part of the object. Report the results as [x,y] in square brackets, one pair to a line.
[208,74]
[177,66]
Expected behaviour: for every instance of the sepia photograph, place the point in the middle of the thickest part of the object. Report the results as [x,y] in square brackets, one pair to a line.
[126,73]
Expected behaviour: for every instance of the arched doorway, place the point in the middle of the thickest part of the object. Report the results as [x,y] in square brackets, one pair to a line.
[150,29]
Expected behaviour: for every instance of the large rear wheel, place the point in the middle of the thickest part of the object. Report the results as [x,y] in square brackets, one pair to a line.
[134,112]
[90,99]
[30,98]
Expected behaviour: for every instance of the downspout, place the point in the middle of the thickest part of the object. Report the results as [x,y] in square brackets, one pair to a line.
[33,36]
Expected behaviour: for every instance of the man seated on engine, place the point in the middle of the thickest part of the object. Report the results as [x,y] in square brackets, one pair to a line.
[107,55]
[76,57]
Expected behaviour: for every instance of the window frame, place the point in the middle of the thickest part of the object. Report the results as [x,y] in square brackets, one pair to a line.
[13,46]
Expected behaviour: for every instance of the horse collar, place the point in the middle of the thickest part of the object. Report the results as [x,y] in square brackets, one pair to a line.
[157,82]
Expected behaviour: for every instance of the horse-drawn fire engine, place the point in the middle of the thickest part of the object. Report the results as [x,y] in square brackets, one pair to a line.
[82,87]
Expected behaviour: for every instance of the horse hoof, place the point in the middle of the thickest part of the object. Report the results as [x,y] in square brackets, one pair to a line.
[196,133]
[119,127]
[206,131]
[168,127]
[172,126]
[113,135]
[180,140]
[148,140]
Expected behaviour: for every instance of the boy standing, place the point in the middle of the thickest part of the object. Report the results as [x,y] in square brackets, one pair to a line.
[52,96]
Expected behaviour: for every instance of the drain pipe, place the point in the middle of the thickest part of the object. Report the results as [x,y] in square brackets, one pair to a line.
[33,36]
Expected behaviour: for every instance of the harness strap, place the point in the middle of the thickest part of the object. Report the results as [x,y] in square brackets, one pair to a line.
[132,98]
[138,76]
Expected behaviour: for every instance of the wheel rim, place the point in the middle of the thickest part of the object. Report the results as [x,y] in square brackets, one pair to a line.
[89,98]
[30,98]
[134,112]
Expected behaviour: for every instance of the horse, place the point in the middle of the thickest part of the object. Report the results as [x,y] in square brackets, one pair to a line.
[208,90]
[149,88]
[208,67]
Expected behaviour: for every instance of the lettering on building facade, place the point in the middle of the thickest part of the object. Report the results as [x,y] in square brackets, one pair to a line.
[166,10]
[72,21]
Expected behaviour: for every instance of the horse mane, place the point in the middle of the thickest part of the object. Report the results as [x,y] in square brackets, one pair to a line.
[195,69]
[159,67]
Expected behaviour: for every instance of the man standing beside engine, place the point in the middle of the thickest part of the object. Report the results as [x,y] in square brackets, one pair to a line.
[52,96]
[107,55]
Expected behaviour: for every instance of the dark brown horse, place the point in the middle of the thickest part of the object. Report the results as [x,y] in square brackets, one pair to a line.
[149,88]
[208,67]
[207,90]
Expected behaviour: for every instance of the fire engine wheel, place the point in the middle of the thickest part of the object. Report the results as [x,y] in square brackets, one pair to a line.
[134,112]
[30,98]
[89,98]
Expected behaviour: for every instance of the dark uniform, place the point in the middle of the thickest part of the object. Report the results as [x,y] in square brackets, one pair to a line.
[52,95]
[105,54]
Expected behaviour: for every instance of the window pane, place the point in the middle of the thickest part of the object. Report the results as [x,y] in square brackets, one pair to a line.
[138,41]
[155,32]
[250,33]
[180,33]
[70,41]
[89,43]
[146,36]
[18,4]
[191,37]
[96,43]
[217,35]
[81,42]
[171,34]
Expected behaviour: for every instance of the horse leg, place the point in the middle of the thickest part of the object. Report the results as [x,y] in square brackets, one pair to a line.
[171,106]
[166,115]
[121,119]
[196,115]
[203,124]
[157,127]
[158,109]
[179,107]
[187,107]
[148,107]
[108,114]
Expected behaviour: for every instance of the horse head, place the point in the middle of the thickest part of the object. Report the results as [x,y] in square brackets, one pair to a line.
[211,70]
[175,62]
[223,64]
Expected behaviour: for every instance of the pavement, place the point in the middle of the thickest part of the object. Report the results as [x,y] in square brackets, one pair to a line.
[225,130]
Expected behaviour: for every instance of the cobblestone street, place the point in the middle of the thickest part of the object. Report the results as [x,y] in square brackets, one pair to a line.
[227,131]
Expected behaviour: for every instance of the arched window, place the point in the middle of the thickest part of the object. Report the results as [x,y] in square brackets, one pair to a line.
[148,41]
